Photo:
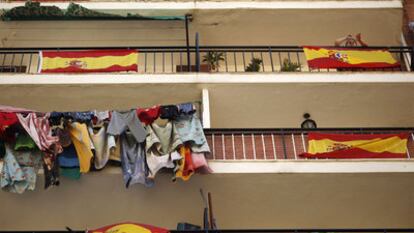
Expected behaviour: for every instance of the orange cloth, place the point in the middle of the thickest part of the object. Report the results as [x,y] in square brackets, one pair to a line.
[186,169]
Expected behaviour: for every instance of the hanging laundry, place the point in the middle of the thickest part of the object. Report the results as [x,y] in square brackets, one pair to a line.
[81,117]
[39,130]
[69,163]
[24,142]
[100,117]
[186,109]
[82,142]
[132,137]
[186,168]
[190,131]
[169,112]
[19,170]
[104,144]
[200,163]
[148,115]
[120,122]
[161,147]
[7,119]
[64,137]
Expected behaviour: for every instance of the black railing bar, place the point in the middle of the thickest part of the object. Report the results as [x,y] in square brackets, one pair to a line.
[173,50]
[264,130]
[193,47]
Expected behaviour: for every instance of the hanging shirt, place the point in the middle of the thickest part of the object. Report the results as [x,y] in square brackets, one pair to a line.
[120,122]
[169,112]
[161,146]
[190,131]
[148,115]
[133,161]
[103,144]
[39,130]
[131,138]
[80,139]
[19,172]
[186,109]
[69,163]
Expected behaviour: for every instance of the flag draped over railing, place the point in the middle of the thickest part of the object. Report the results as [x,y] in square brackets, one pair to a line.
[88,61]
[331,58]
[356,146]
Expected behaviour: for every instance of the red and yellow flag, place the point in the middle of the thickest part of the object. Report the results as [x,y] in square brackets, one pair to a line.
[129,227]
[356,146]
[88,61]
[326,58]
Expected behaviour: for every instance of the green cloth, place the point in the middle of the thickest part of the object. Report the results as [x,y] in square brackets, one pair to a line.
[24,142]
[71,173]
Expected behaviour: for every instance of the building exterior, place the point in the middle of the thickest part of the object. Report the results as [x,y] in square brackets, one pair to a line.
[252,120]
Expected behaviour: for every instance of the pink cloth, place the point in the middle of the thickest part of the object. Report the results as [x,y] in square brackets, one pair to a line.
[39,130]
[200,163]
[5,108]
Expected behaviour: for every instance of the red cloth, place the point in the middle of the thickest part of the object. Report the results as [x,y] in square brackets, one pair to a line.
[148,115]
[7,119]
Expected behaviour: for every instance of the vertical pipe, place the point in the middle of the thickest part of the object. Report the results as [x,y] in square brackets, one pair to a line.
[284,145]
[197,46]
[271,59]
[412,59]
[187,40]
[234,147]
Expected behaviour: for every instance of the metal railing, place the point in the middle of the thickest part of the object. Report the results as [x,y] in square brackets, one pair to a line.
[234,59]
[278,144]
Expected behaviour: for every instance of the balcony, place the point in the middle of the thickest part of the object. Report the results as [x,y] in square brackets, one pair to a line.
[181,59]
[278,144]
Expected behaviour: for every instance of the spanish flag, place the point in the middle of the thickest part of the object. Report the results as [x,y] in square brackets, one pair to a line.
[129,227]
[356,146]
[326,58]
[88,61]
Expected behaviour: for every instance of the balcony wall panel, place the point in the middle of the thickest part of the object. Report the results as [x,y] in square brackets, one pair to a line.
[216,27]
[241,201]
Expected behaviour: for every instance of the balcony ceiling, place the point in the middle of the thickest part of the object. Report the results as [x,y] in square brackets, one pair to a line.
[236,101]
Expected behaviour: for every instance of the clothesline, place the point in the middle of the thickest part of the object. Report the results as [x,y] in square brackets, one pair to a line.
[71,148]
[6,108]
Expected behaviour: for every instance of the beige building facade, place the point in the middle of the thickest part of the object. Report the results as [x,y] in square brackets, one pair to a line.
[248,193]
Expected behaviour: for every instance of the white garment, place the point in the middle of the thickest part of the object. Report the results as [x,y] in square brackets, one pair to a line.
[102,143]
[156,162]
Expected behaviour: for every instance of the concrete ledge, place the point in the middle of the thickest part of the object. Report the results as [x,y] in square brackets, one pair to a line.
[208,5]
[312,166]
[203,78]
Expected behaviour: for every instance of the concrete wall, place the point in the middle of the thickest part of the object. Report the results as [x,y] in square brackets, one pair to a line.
[216,27]
[237,105]
[240,201]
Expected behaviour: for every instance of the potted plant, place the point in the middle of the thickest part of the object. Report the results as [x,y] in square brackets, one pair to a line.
[213,59]
[254,65]
[289,66]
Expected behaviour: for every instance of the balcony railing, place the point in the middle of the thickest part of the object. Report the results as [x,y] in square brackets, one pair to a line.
[168,60]
[278,144]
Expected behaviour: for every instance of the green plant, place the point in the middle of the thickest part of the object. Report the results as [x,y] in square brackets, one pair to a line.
[254,65]
[213,59]
[289,66]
